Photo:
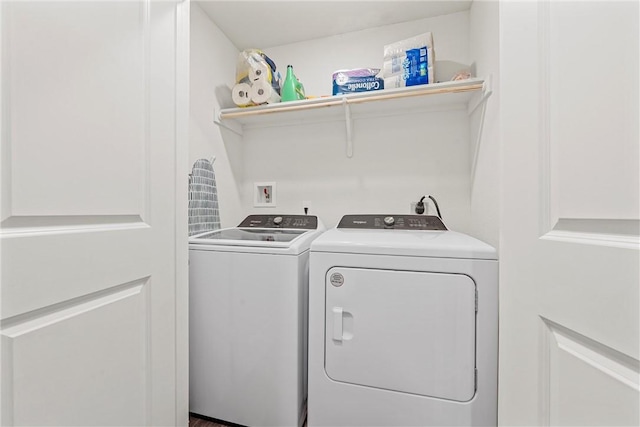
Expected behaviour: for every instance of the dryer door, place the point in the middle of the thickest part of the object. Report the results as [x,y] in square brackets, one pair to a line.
[407,331]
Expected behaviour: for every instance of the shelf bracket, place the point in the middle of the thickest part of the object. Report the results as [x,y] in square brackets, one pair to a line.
[347,118]
[486,93]
[217,120]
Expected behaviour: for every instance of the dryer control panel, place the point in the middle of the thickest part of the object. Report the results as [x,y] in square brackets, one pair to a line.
[301,222]
[395,222]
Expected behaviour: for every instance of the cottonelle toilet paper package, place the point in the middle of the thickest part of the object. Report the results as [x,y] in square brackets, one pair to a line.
[409,62]
[357,80]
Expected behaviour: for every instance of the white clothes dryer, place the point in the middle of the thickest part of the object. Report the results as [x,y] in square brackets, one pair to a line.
[248,294]
[403,325]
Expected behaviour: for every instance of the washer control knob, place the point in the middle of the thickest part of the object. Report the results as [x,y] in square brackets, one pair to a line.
[277,220]
[389,221]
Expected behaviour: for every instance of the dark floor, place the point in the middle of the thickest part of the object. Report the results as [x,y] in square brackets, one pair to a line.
[199,422]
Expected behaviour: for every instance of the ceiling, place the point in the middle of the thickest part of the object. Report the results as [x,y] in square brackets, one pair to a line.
[243,21]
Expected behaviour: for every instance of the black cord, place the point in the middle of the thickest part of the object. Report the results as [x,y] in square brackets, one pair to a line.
[437,207]
[420,208]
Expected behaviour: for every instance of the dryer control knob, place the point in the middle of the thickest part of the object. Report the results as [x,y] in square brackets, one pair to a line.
[277,220]
[389,221]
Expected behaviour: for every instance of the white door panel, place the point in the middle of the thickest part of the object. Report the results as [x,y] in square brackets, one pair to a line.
[570,267]
[78,71]
[52,355]
[592,109]
[93,258]
[63,257]
[590,384]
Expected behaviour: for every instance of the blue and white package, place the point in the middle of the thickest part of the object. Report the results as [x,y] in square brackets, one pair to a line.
[409,62]
[414,68]
[356,80]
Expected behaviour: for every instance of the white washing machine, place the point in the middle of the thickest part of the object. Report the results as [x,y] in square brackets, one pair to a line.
[248,294]
[403,325]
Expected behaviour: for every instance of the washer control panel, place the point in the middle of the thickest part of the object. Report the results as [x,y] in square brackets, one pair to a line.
[302,222]
[395,222]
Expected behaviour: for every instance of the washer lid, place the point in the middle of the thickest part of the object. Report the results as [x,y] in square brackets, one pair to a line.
[434,244]
[282,234]
[257,235]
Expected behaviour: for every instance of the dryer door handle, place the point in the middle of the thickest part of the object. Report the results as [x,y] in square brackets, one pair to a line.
[337,323]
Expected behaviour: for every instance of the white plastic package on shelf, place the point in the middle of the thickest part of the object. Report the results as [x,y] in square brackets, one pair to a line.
[409,62]
[255,68]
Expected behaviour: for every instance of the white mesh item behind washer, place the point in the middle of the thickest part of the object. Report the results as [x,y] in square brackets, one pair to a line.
[203,198]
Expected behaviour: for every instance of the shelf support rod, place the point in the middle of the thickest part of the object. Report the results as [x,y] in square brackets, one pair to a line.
[217,120]
[476,148]
[487,90]
[347,118]
[486,93]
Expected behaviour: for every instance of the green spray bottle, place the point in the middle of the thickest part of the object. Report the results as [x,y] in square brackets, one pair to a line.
[291,87]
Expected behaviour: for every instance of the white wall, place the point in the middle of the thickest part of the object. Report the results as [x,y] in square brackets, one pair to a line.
[396,160]
[485,191]
[213,59]
[315,61]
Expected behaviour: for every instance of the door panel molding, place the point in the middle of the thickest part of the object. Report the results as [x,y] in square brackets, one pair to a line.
[36,319]
[559,344]
[124,341]
[617,233]
[547,215]
[146,176]
[5,117]
[612,232]
[22,225]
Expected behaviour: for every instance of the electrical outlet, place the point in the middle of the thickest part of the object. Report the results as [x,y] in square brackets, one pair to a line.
[412,207]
